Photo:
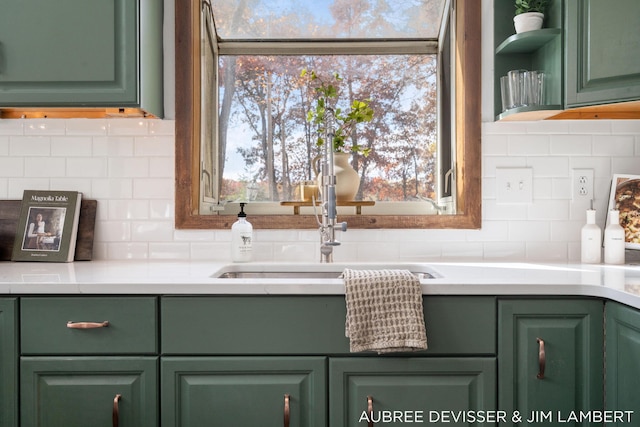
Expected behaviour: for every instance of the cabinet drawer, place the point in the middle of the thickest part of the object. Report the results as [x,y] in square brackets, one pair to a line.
[310,325]
[131,329]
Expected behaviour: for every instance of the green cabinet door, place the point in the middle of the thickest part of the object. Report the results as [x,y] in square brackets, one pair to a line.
[88,391]
[550,355]
[81,53]
[243,391]
[397,391]
[622,361]
[603,51]
[8,363]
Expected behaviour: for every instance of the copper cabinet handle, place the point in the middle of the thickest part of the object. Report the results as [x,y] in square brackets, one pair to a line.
[87,325]
[542,358]
[116,410]
[286,410]
[370,410]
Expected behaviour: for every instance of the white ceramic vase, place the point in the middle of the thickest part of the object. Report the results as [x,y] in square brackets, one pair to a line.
[347,179]
[528,21]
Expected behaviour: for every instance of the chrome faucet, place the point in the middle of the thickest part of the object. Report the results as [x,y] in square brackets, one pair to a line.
[328,226]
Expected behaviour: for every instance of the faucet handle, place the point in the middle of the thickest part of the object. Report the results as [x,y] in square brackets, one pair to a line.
[341,226]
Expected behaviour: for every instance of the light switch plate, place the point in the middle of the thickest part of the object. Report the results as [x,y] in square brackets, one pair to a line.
[514,185]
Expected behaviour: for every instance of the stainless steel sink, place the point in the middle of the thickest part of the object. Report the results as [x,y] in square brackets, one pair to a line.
[311,270]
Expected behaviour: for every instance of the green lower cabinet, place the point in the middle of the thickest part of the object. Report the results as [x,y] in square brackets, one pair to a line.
[88,391]
[243,391]
[398,391]
[8,363]
[550,356]
[622,363]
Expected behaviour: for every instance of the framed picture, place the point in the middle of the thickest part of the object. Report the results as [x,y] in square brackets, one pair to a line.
[625,198]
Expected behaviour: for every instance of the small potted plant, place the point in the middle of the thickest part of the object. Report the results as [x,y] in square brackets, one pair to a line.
[529,15]
[338,124]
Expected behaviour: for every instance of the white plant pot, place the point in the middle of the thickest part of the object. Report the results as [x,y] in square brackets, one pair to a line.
[528,21]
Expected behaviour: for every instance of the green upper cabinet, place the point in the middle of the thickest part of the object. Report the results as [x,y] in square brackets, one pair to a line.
[81,53]
[603,51]
[550,358]
[623,354]
[8,363]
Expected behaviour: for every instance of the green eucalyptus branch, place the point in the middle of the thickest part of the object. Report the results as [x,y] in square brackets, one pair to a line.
[330,119]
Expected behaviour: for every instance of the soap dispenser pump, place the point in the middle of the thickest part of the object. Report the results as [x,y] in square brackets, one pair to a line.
[241,238]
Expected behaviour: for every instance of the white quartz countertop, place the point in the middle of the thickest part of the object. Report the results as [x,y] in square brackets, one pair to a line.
[618,283]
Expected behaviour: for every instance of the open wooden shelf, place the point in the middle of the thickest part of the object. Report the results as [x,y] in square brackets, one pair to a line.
[358,204]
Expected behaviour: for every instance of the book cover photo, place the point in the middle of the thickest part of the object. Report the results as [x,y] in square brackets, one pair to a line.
[48,226]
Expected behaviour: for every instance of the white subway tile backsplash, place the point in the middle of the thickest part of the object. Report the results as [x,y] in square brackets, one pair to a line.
[162,127]
[127,127]
[152,231]
[529,231]
[546,251]
[570,145]
[153,188]
[91,127]
[71,146]
[549,166]
[4,145]
[629,165]
[45,166]
[152,146]
[614,145]
[131,167]
[547,209]
[29,146]
[16,186]
[161,209]
[169,251]
[127,165]
[111,188]
[44,127]
[590,127]
[528,145]
[86,167]
[128,209]
[548,127]
[113,146]
[127,251]
[11,127]
[11,166]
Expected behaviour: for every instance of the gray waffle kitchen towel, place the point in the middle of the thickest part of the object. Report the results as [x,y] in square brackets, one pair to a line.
[384,311]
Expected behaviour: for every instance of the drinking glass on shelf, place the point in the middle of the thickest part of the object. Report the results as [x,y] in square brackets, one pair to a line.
[534,88]
[516,87]
[507,102]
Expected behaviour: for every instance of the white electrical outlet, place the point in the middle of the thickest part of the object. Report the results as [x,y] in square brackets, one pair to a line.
[514,185]
[582,185]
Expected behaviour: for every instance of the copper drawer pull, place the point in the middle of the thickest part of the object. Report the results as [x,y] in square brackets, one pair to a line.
[116,410]
[87,325]
[542,358]
[370,410]
[286,410]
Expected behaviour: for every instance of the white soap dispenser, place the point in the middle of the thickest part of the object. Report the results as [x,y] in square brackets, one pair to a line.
[241,238]
[591,240]
[614,240]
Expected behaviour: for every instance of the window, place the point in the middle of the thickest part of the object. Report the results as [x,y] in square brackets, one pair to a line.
[247,137]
